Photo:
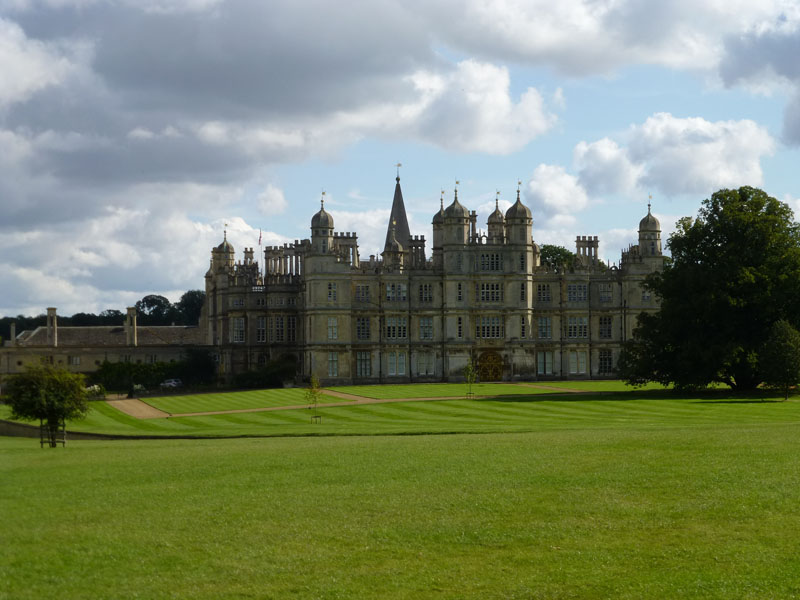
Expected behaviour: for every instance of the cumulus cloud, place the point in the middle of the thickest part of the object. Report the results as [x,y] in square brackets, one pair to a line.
[271,201]
[555,194]
[605,167]
[694,155]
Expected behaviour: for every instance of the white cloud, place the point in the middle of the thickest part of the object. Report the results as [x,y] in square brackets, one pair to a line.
[604,167]
[271,201]
[557,195]
[697,156]
[27,65]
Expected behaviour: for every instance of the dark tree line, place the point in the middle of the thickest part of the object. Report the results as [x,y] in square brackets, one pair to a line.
[150,310]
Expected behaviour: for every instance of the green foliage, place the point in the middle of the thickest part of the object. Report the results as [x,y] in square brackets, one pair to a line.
[556,256]
[470,374]
[189,307]
[48,394]
[735,270]
[313,392]
[123,375]
[780,357]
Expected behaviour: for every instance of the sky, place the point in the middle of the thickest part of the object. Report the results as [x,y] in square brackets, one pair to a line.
[134,132]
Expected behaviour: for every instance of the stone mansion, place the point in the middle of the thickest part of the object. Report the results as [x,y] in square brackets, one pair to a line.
[400,317]
[408,317]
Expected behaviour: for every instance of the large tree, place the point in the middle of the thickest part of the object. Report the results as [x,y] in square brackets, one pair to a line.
[50,395]
[190,305]
[779,359]
[735,270]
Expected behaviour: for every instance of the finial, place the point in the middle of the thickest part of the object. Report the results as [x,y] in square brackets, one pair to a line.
[519,183]
[456,190]
[497,200]
[398,172]
[322,201]
[649,200]
[225,233]
[441,201]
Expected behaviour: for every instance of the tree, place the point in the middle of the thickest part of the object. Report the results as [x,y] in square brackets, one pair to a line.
[51,395]
[189,306]
[154,310]
[780,357]
[470,375]
[313,392]
[735,270]
[556,256]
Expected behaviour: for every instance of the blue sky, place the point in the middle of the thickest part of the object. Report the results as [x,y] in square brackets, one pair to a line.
[131,132]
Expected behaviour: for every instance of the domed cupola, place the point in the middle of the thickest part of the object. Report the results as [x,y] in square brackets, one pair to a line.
[519,222]
[496,222]
[322,229]
[222,256]
[649,222]
[438,218]
[323,219]
[649,235]
[456,221]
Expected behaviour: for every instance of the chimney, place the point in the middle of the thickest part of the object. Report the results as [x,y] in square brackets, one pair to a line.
[131,332]
[13,332]
[52,327]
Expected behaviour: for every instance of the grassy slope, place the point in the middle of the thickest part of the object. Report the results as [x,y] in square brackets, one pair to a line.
[228,400]
[678,504]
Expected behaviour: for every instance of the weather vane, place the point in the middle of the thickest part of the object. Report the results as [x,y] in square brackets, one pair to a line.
[322,200]
[398,169]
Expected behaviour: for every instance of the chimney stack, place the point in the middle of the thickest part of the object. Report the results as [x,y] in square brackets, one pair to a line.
[52,327]
[131,332]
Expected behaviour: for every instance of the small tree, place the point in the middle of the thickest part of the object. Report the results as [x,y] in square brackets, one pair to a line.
[470,375]
[51,395]
[313,392]
[780,357]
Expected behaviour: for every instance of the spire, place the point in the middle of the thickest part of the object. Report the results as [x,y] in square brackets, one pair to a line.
[519,183]
[397,218]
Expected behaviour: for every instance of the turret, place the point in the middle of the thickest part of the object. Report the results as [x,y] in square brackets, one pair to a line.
[649,235]
[322,230]
[456,222]
[519,223]
[496,223]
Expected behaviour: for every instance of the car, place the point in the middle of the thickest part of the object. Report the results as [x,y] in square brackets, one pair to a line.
[171,384]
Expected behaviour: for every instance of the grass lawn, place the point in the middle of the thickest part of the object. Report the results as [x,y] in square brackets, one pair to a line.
[678,500]
[228,400]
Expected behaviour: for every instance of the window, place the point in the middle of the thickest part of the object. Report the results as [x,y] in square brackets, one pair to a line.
[425,363]
[76,360]
[460,328]
[396,291]
[544,363]
[362,328]
[238,330]
[522,287]
[333,364]
[237,302]
[645,295]
[545,328]
[459,262]
[577,327]
[331,292]
[324,246]
[521,234]
[543,292]
[489,328]
[522,262]
[291,328]
[490,292]
[576,292]
[426,328]
[426,292]
[279,329]
[605,366]
[397,363]
[261,301]
[362,293]
[490,261]
[261,330]
[522,326]
[363,364]
[333,328]
[396,328]
[605,328]
[604,290]
[459,292]
[577,363]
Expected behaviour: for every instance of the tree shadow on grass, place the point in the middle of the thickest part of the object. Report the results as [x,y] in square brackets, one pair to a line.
[585,396]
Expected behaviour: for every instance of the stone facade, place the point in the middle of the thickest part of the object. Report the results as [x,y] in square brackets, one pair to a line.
[406,317]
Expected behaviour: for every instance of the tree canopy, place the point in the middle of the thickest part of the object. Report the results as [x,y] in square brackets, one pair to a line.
[51,395]
[735,270]
[780,357]
[556,256]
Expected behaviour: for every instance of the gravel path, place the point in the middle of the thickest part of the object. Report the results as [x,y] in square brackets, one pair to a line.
[137,408]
